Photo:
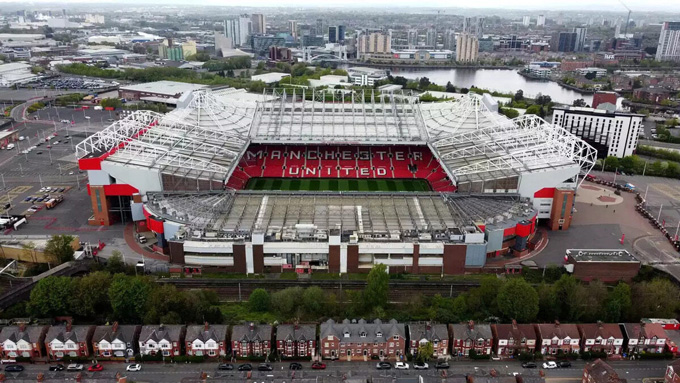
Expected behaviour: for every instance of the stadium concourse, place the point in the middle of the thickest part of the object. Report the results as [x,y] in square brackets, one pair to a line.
[327,181]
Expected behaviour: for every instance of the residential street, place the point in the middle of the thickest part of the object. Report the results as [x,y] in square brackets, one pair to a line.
[633,371]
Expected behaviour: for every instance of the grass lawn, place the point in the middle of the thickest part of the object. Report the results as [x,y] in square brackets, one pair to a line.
[338,184]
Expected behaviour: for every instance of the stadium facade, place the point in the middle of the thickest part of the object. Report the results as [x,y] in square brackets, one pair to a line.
[343,176]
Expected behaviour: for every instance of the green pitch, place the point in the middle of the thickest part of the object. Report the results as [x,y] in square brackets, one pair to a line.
[338,184]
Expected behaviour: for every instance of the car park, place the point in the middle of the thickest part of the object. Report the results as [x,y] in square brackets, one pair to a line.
[74,367]
[58,367]
[134,367]
[14,368]
[401,366]
[245,367]
[295,366]
[383,365]
[318,366]
[549,365]
[265,367]
[225,367]
[421,366]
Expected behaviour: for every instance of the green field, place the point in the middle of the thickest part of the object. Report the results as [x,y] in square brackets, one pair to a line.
[338,184]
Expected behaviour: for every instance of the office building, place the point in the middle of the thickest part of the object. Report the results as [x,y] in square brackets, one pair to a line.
[467,48]
[450,39]
[259,23]
[333,34]
[580,42]
[312,41]
[238,30]
[563,42]
[365,76]
[341,33]
[612,133]
[374,42]
[526,21]
[540,21]
[479,27]
[431,38]
[319,26]
[468,25]
[293,28]
[412,37]
[668,48]
[260,44]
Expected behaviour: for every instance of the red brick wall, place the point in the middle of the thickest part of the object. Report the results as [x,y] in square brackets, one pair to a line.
[454,259]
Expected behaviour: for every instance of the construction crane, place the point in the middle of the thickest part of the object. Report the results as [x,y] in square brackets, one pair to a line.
[625,31]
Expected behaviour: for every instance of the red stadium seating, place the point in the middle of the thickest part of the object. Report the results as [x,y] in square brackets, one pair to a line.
[341,161]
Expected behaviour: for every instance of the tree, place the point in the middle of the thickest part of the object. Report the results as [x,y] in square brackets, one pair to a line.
[377,288]
[128,296]
[450,88]
[518,300]
[543,100]
[111,103]
[464,90]
[287,301]
[618,304]
[655,299]
[115,264]
[162,300]
[28,251]
[534,109]
[637,83]
[519,95]
[259,300]
[579,102]
[314,301]
[90,295]
[483,299]
[590,75]
[59,249]
[50,297]
[509,112]
[425,352]
[423,83]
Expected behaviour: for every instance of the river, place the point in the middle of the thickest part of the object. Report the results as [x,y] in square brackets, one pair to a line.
[501,80]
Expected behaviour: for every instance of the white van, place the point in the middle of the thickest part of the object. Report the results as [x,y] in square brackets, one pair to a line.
[98,107]
[10,146]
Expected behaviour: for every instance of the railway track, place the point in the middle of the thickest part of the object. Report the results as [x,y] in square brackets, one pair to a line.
[232,290]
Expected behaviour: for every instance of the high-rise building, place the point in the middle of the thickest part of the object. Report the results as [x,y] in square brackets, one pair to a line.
[467,48]
[319,27]
[259,23]
[580,42]
[293,28]
[333,34]
[479,27]
[374,42]
[468,25]
[540,21]
[563,42]
[450,39]
[526,21]
[412,37]
[312,41]
[431,37]
[341,33]
[669,42]
[238,30]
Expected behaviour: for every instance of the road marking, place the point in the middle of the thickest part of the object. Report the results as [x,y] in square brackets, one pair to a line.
[667,190]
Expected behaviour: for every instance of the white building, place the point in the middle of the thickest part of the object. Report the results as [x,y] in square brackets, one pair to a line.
[467,48]
[611,133]
[238,30]
[526,21]
[581,33]
[15,73]
[540,21]
[669,42]
[366,76]
[599,72]
[539,71]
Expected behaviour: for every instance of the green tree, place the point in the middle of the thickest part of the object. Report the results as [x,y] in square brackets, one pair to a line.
[483,299]
[377,288]
[128,296]
[314,301]
[287,301]
[509,112]
[111,103]
[423,83]
[534,109]
[568,295]
[519,95]
[90,295]
[549,306]
[618,304]
[425,352]
[51,296]
[259,300]
[162,300]
[450,88]
[59,249]
[518,300]
[655,299]
[579,102]
[115,264]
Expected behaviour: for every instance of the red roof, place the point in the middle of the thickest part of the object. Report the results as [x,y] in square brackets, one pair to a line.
[601,330]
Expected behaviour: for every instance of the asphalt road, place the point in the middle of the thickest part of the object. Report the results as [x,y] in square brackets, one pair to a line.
[633,371]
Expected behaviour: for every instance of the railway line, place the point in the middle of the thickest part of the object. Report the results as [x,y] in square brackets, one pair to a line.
[236,290]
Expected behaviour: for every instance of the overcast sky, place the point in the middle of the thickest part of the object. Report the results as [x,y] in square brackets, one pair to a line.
[585,5]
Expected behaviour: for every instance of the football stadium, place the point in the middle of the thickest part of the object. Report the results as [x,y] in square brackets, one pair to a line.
[334,181]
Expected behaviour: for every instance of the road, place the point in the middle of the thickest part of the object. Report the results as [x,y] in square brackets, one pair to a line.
[633,371]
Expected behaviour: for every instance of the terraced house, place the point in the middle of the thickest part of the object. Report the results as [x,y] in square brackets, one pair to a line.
[165,340]
[115,341]
[556,338]
[471,336]
[68,340]
[251,340]
[23,341]
[513,338]
[296,340]
[206,340]
[424,333]
[601,337]
[360,340]
[644,337]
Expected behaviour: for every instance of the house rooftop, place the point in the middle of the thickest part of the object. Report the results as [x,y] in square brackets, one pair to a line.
[601,255]
[601,372]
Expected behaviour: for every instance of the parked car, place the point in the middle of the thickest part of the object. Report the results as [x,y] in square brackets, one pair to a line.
[529,365]
[549,365]
[95,367]
[225,367]
[245,367]
[318,366]
[421,366]
[442,365]
[295,366]
[58,367]
[564,364]
[134,367]
[74,367]
[401,366]
[14,368]
[28,199]
[264,367]
[383,365]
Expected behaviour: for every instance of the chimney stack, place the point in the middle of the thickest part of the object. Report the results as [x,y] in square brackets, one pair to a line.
[557,323]
[471,325]
[206,326]
[514,324]
[115,327]
[252,326]
[68,326]
[22,327]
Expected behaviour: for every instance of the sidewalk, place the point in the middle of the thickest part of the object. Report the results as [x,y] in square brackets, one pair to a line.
[129,235]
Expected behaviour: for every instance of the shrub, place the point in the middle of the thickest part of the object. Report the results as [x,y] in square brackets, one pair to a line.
[655,355]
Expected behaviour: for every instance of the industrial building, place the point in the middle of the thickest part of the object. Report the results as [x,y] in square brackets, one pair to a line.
[187,177]
[158,91]
[15,73]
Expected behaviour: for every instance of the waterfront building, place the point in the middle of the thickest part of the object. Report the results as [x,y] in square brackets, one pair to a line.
[467,48]
[580,42]
[563,42]
[374,43]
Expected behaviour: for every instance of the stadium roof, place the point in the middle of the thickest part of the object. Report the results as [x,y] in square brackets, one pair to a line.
[377,214]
